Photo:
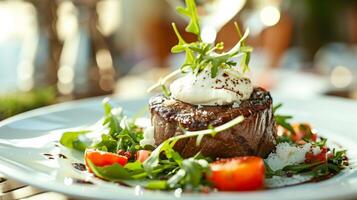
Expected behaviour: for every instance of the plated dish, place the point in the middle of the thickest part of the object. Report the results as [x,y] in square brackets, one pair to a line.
[210,130]
[25,138]
[209,134]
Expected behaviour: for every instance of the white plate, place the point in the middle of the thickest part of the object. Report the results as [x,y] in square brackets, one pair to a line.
[24,139]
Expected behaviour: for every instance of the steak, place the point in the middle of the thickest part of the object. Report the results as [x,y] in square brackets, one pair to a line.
[254,136]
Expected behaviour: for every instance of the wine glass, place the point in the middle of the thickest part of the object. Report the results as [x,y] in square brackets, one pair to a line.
[214,14]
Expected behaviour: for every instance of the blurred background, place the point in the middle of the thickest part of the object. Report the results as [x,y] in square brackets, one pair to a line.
[58,50]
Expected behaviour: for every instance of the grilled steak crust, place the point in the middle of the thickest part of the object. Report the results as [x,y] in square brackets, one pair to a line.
[254,136]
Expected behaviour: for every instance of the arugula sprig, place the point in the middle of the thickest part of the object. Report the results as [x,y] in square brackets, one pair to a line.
[121,134]
[191,12]
[74,140]
[190,174]
[200,55]
[283,120]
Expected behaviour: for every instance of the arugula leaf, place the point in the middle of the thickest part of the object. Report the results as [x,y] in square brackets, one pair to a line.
[245,61]
[134,166]
[113,172]
[277,107]
[73,140]
[246,51]
[282,120]
[321,142]
[156,185]
[191,12]
[165,91]
[112,118]
[190,174]
[284,138]
[200,55]
[123,133]
[181,46]
[214,71]
[270,173]
[107,144]
[301,167]
[146,183]
[338,158]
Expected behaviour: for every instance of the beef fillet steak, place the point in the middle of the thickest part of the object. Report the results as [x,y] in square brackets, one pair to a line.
[254,136]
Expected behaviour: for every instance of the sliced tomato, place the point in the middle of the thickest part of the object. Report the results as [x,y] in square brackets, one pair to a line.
[102,158]
[237,174]
[321,157]
[142,155]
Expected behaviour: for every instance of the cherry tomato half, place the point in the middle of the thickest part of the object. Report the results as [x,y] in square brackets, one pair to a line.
[238,174]
[142,155]
[102,158]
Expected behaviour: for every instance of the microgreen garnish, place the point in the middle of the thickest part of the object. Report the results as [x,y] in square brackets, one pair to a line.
[201,55]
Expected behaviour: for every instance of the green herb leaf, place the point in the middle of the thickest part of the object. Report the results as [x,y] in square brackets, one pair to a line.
[300,167]
[107,144]
[190,174]
[214,71]
[165,91]
[134,166]
[282,120]
[73,140]
[123,133]
[321,142]
[113,172]
[191,12]
[147,183]
[181,43]
[200,55]
[277,107]
[156,185]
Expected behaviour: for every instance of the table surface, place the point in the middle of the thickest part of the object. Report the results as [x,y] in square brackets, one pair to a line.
[10,190]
